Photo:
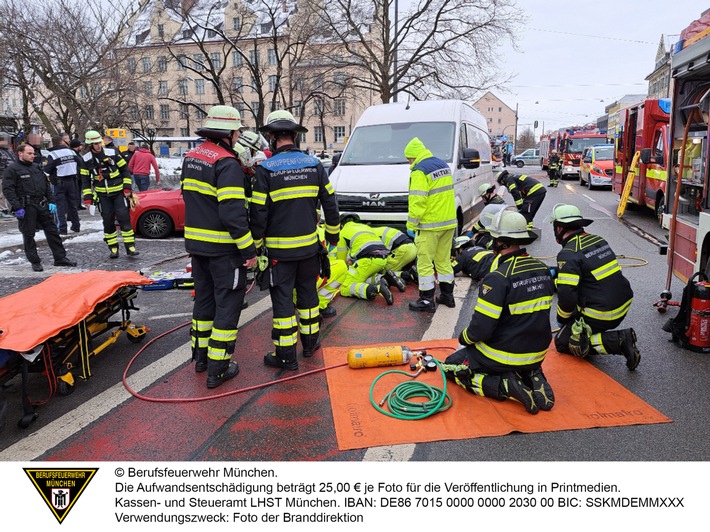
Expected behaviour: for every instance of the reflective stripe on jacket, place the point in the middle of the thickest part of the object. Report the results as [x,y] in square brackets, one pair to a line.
[432,203]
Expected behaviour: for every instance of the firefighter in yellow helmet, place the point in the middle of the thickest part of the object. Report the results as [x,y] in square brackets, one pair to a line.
[432,217]
[105,177]
[593,296]
[284,218]
[514,301]
[218,238]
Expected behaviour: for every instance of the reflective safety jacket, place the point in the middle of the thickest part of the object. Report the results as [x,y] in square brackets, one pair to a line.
[62,163]
[105,172]
[358,241]
[216,220]
[522,186]
[392,238]
[511,320]
[475,262]
[432,204]
[554,163]
[589,279]
[284,205]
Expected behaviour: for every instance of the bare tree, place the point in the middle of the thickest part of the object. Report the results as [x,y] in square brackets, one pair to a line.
[526,139]
[66,62]
[437,48]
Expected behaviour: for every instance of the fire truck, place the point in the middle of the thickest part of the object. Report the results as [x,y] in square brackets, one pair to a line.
[644,129]
[569,143]
[687,202]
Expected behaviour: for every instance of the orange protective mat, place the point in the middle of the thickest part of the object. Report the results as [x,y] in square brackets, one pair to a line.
[585,397]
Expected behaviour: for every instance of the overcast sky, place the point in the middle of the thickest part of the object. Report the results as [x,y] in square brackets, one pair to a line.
[575,54]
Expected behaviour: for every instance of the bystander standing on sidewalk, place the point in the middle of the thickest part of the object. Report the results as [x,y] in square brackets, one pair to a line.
[6,159]
[140,164]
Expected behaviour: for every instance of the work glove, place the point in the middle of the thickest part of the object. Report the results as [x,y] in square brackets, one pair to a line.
[579,340]
[126,192]
[411,234]
[52,208]
[87,202]
[20,213]
[262,262]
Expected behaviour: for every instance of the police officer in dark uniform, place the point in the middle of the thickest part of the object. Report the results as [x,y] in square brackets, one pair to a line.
[218,238]
[514,302]
[593,296]
[30,196]
[105,173]
[62,166]
[284,217]
[528,193]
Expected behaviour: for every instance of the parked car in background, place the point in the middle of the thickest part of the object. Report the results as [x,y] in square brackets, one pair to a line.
[325,158]
[530,157]
[160,213]
[596,167]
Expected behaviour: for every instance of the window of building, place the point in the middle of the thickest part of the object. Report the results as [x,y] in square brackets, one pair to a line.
[339,106]
[266,27]
[318,82]
[146,64]
[499,120]
[161,30]
[131,64]
[318,134]
[500,109]
[149,112]
[318,107]
[236,59]
[186,34]
[197,60]
[240,107]
[339,79]
[148,88]
[271,56]
[255,108]
[184,132]
[134,113]
[238,85]
[297,108]
[184,111]
[199,86]
[339,132]
[216,59]
[162,88]
[201,114]
[254,57]
[181,61]
[162,63]
[272,83]
[254,86]
[211,34]
[236,23]
[164,111]
[301,138]
[182,87]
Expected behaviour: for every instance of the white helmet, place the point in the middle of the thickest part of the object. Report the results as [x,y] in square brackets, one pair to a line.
[489,213]
[511,225]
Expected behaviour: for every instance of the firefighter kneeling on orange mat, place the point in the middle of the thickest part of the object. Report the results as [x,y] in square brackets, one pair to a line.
[514,302]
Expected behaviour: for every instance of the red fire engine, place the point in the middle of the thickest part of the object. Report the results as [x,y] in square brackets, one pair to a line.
[569,143]
[644,128]
[687,203]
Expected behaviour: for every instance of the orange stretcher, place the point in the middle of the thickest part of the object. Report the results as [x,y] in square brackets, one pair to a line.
[54,328]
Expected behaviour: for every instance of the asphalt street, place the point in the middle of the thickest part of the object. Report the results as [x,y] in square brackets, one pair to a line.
[670,379]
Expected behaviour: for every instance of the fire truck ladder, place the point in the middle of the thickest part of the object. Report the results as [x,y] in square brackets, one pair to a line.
[628,184]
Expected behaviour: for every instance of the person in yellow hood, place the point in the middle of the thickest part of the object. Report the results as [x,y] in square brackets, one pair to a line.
[432,218]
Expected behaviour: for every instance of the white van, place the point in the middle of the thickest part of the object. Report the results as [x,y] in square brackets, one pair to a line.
[372,177]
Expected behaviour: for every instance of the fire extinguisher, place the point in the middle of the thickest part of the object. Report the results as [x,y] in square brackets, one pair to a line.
[698,331]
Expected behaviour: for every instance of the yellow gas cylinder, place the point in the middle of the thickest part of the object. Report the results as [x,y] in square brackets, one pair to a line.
[376,357]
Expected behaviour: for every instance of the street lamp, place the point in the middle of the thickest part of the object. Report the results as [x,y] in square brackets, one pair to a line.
[396,24]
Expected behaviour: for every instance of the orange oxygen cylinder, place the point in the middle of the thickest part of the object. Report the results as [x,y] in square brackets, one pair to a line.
[377,357]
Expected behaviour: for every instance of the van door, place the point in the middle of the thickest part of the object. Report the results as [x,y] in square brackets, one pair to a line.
[463,179]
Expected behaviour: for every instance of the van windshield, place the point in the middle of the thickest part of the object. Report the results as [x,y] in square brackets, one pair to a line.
[384,143]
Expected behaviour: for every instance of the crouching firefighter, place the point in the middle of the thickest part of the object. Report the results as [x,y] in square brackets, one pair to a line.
[105,176]
[593,296]
[217,236]
[514,301]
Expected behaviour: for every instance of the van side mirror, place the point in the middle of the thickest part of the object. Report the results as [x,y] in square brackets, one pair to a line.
[646,155]
[471,158]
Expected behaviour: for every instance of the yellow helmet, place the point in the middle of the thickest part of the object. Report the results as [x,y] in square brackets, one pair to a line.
[92,137]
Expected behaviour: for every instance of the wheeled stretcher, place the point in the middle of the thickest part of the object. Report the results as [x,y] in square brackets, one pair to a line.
[56,327]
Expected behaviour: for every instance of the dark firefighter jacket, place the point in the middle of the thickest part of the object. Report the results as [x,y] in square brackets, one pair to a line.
[105,172]
[475,262]
[284,205]
[522,186]
[589,279]
[514,302]
[26,184]
[554,162]
[216,218]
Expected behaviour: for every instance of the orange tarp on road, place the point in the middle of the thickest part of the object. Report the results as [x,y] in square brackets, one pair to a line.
[36,314]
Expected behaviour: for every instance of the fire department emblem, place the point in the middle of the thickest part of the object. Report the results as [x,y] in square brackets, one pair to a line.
[60,488]
[485,289]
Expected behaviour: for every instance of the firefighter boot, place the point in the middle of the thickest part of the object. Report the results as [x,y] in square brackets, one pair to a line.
[328,312]
[393,280]
[219,371]
[512,387]
[131,250]
[282,360]
[380,288]
[623,342]
[113,252]
[425,303]
[199,355]
[311,344]
[542,392]
[447,295]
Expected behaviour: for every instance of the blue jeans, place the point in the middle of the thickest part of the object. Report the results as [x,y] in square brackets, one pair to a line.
[142,181]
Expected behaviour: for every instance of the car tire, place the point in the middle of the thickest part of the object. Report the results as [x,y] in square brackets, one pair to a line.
[589,184]
[519,164]
[155,224]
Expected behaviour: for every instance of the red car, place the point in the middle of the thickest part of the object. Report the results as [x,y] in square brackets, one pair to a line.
[160,213]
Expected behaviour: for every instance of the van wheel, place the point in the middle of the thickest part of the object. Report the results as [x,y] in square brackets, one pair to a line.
[519,164]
